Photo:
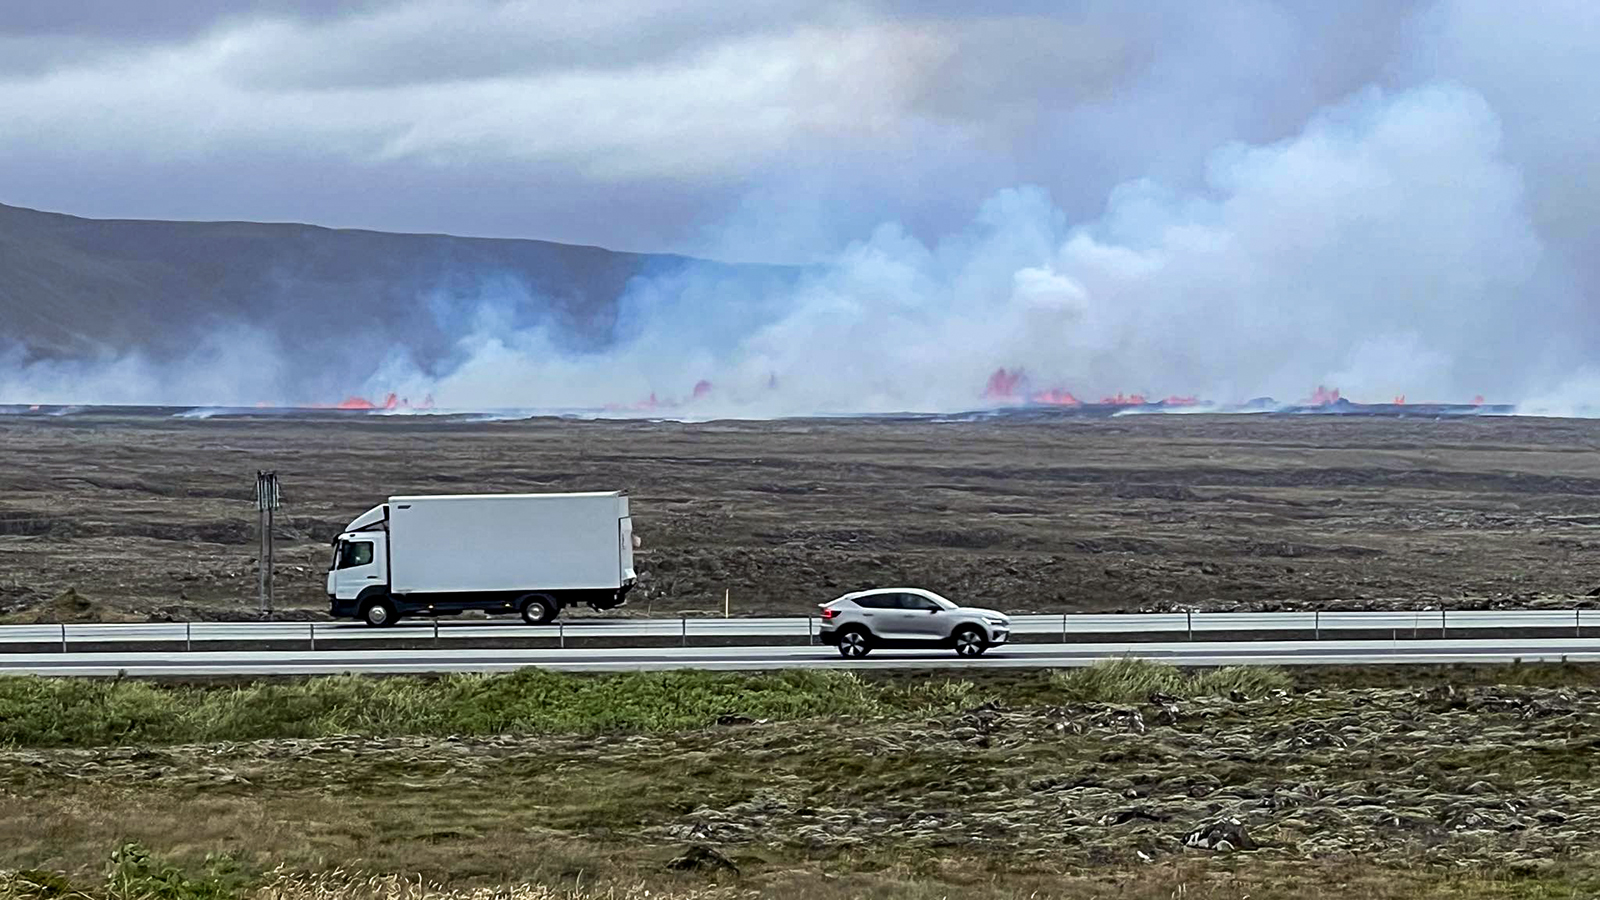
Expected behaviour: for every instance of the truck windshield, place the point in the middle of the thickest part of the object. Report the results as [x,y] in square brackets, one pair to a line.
[355,553]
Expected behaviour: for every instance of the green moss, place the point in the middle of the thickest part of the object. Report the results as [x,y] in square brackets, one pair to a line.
[72,712]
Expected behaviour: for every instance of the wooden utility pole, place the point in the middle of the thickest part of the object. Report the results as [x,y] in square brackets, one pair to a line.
[267,501]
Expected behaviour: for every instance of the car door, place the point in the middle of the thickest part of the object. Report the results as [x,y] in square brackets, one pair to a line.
[925,619]
[884,615]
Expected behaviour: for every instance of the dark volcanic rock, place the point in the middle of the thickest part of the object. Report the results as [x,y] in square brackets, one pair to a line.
[1222,836]
[700,858]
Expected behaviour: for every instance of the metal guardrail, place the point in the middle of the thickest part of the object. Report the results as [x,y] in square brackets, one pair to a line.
[1315,623]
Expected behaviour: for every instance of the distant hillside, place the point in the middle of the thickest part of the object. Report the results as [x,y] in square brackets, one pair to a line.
[74,288]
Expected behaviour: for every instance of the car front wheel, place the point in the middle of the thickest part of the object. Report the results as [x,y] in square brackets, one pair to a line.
[970,642]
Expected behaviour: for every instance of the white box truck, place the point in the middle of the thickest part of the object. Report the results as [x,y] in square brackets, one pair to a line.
[527,554]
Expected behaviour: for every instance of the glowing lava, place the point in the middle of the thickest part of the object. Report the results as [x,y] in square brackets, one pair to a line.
[1123,400]
[1323,397]
[1055,397]
[392,401]
[1010,386]
[1003,385]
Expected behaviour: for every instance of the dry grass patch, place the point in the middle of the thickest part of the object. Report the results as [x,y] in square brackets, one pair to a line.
[1130,680]
[134,875]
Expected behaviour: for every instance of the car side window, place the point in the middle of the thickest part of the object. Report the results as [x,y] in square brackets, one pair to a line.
[917,602]
[878,601]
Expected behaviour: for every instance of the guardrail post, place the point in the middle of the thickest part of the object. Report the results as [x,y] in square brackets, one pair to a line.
[188,636]
[436,632]
[1444,624]
[1316,624]
[561,635]
[1189,613]
[1577,623]
[63,637]
[684,621]
[1063,628]
[313,630]
[811,633]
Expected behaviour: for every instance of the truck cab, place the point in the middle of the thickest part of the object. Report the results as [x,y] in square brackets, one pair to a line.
[360,568]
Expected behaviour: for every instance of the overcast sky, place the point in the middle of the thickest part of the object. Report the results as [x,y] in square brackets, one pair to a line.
[1232,197]
[757,129]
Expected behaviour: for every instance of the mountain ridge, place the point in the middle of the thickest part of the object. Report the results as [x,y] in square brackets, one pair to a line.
[74,288]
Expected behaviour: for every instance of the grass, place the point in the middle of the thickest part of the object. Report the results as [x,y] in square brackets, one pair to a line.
[82,713]
[606,765]
[1137,680]
[1535,674]
[134,874]
[583,812]
[42,712]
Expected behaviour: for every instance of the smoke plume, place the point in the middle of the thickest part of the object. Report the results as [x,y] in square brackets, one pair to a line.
[1384,199]
[1386,249]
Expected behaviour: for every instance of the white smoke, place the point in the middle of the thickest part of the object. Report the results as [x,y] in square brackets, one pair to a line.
[1575,397]
[1384,250]
[229,367]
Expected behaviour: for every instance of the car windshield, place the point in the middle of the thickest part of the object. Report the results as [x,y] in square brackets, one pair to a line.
[943,603]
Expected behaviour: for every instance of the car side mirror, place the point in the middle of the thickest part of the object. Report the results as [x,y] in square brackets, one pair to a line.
[934,610]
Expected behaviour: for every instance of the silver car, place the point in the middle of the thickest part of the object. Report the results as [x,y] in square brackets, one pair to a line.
[909,617]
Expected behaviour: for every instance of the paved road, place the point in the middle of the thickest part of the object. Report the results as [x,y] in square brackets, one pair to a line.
[618,627]
[1185,653]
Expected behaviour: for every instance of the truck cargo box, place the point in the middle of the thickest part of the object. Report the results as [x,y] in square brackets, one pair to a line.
[491,543]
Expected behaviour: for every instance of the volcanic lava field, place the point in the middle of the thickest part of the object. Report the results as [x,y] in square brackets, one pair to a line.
[114,515]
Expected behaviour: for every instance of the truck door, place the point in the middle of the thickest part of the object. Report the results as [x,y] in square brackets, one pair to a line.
[625,534]
[361,563]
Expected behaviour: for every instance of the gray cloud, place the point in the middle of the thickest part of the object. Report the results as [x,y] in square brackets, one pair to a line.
[148,19]
[785,130]
[863,103]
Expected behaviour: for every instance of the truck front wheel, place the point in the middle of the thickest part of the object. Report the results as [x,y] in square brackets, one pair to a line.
[538,611]
[379,614]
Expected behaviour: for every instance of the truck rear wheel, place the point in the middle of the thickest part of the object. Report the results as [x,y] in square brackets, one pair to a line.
[379,614]
[538,611]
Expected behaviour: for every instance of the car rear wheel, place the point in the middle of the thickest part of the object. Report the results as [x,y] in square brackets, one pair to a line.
[854,644]
[970,642]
